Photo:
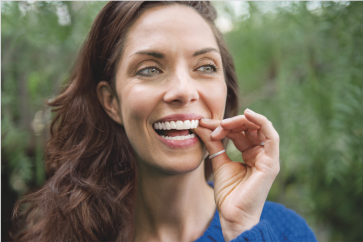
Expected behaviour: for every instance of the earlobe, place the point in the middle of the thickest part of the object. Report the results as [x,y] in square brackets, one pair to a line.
[109,101]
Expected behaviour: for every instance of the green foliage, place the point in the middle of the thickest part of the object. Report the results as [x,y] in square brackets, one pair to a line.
[300,68]
[39,43]
[303,71]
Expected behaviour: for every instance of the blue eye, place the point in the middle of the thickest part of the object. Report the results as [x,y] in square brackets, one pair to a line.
[148,71]
[207,68]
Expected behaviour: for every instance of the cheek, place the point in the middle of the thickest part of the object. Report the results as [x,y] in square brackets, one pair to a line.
[214,95]
[137,102]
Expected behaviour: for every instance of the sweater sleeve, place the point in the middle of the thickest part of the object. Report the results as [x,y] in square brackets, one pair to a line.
[278,224]
[260,232]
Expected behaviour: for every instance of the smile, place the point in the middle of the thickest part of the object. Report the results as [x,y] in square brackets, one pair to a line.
[177,134]
[176,130]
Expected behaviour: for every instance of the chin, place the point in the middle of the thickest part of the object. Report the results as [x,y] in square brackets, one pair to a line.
[174,163]
[179,166]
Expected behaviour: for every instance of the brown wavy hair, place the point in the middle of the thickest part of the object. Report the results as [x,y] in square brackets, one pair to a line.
[90,164]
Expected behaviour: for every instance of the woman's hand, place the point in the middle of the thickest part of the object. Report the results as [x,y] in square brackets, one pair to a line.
[241,190]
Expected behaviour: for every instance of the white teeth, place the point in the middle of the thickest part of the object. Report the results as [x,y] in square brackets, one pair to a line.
[192,123]
[186,124]
[183,137]
[195,124]
[178,125]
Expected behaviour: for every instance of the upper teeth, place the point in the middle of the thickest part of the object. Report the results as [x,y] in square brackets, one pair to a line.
[179,125]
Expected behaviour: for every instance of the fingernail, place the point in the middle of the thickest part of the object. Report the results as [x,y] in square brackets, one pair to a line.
[216,130]
[249,110]
[205,119]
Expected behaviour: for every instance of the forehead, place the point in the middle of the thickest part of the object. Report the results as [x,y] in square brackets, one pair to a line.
[170,28]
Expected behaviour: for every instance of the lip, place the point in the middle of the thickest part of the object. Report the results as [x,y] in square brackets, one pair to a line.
[181,117]
[175,144]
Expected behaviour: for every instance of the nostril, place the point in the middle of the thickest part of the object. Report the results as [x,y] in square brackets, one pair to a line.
[181,94]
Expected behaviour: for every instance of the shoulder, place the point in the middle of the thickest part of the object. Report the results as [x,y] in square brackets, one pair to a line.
[285,222]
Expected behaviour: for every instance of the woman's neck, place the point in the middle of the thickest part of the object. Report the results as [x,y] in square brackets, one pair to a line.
[172,207]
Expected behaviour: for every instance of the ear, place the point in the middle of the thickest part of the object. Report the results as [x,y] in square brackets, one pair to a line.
[109,101]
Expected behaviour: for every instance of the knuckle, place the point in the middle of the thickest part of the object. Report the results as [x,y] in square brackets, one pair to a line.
[277,137]
[264,119]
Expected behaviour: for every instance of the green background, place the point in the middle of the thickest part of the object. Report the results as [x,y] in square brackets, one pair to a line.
[298,63]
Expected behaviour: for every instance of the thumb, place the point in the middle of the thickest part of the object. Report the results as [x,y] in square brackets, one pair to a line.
[212,146]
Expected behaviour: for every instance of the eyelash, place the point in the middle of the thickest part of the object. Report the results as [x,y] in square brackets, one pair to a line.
[214,67]
[148,67]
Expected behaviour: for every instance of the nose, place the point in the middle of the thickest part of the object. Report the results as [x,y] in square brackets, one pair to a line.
[181,89]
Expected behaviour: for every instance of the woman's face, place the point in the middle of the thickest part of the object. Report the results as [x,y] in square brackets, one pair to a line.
[170,70]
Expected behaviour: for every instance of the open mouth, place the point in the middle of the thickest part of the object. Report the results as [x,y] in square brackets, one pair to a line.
[176,130]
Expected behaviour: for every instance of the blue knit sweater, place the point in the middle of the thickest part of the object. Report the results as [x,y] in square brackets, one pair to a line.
[277,224]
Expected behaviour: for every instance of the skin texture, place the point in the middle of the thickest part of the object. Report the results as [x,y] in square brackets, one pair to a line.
[173,200]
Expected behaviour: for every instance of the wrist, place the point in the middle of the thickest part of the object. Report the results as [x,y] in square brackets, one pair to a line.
[232,230]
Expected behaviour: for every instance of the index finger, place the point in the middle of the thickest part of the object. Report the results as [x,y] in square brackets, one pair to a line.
[237,122]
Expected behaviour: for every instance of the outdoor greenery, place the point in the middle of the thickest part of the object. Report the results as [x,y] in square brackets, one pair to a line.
[299,63]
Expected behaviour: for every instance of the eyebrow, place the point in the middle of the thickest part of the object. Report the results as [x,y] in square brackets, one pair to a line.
[205,50]
[161,55]
[151,53]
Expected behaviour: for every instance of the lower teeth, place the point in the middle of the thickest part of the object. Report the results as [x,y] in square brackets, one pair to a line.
[184,137]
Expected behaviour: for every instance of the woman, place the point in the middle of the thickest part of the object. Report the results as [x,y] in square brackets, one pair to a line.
[127,158]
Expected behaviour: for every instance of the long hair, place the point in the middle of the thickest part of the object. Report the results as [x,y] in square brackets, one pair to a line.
[89,161]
